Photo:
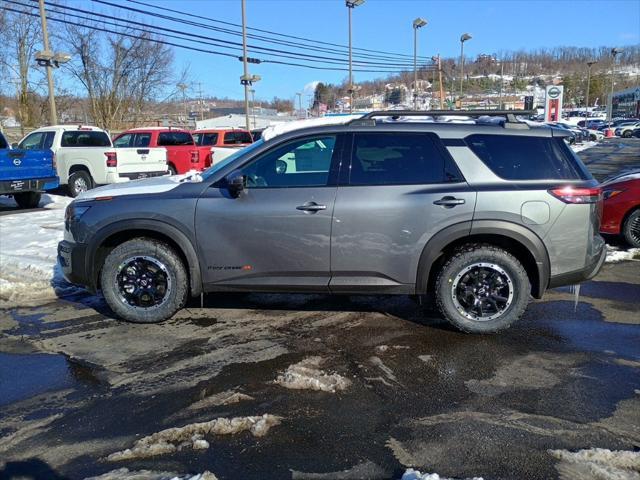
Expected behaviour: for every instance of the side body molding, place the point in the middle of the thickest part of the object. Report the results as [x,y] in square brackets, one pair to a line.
[161,227]
[518,233]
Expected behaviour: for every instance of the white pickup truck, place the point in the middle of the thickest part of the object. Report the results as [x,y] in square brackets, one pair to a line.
[86,157]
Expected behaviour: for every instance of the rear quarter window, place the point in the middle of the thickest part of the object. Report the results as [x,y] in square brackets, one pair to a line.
[172,139]
[85,138]
[515,157]
[236,138]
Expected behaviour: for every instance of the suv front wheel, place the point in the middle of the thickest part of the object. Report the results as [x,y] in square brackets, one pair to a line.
[482,289]
[144,281]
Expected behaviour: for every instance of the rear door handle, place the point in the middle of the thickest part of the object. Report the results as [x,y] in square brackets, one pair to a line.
[311,207]
[449,202]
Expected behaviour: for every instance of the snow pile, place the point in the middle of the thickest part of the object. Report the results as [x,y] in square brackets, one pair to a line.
[227,397]
[307,375]
[598,463]
[192,436]
[411,474]
[583,146]
[28,254]
[126,474]
[615,255]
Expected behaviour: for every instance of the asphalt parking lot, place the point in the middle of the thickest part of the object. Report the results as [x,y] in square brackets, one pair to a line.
[400,387]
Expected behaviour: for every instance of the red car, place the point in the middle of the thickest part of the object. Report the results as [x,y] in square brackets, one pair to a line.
[621,214]
[182,152]
[222,142]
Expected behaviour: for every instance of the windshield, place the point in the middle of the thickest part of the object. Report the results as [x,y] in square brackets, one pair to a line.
[226,161]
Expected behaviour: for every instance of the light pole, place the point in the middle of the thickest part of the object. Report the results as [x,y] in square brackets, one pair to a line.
[253,106]
[463,38]
[351,4]
[586,102]
[614,53]
[417,23]
[49,59]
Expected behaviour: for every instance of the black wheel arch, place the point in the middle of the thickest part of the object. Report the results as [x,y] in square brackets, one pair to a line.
[110,236]
[523,243]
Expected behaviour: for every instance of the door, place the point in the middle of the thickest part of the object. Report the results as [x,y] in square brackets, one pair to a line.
[276,235]
[401,189]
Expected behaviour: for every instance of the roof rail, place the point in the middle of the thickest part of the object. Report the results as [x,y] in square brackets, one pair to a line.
[510,115]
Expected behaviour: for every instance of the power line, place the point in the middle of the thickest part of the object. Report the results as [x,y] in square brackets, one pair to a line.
[222,43]
[307,40]
[186,47]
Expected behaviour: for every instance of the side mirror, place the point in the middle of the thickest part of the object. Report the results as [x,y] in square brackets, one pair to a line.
[14,145]
[281,166]
[235,183]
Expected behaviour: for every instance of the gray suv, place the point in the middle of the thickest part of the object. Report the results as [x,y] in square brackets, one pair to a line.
[481,216]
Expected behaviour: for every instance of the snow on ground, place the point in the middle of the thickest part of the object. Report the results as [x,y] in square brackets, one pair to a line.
[411,474]
[614,254]
[28,251]
[227,397]
[583,146]
[598,464]
[192,436]
[307,375]
[126,474]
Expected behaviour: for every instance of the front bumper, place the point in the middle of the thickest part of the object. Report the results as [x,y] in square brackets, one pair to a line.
[582,275]
[71,259]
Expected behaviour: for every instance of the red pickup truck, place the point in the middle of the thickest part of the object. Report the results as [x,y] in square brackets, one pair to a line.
[182,152]
[221,142]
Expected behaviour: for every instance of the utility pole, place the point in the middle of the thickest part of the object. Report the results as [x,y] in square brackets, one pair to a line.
[614,53]
[440,81]
[586,101]
[183,87]
[501,84]
[200,101]
[53,114]
[253,106]
[245,80]
[463,38]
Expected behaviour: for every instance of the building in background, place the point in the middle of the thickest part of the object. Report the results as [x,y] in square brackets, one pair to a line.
[626,103]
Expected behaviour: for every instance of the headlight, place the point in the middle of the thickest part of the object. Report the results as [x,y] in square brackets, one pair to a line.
[73,213]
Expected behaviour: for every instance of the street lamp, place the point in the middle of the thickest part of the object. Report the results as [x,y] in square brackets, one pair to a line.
[253,106]
[417,23]
[586,103]
[351,4]
[463,38]
[614,53]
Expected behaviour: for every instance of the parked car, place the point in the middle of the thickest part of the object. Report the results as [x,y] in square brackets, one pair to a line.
[625,130]
[25,174]
[222,142]
[579,134]
[621,212]
[636,133]
[595,135]
[616,123]
[480,216]
[183,155]
[592,124]
[86,157]
[256,134]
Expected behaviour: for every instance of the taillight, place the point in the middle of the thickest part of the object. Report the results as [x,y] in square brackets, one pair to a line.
[195,157]
[112,159]
[577,194]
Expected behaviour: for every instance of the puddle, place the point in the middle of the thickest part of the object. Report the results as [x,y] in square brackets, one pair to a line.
[24,375]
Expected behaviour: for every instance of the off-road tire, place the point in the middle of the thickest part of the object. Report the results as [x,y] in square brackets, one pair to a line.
[631,229]
[482,253]
[176,297]
[27,199]
[75,178]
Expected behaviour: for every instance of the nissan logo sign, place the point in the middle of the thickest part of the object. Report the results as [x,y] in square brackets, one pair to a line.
[554,92]
[17,162]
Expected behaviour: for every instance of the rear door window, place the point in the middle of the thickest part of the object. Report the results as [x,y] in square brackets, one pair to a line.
[142,140]
[235,138]
[515,157]
[206,139]
[85,138]
[123,141]
[400,159]
[172,139]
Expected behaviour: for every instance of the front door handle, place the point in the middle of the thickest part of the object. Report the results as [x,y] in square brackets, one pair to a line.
[449,202]
[311,207]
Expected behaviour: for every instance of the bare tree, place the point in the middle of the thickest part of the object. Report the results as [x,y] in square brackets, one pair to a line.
[120,73]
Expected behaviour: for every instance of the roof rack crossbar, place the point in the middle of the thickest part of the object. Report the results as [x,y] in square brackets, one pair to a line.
[509,114]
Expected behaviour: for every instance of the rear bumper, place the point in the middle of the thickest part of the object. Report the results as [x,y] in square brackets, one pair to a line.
[8,187]
[577,276]
[71,259]
[119,177]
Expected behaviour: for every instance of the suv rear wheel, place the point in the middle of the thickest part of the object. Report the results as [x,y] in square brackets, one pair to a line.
[144,281]
[482,289]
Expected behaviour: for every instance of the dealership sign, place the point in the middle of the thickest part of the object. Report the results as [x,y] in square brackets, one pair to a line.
[553,103]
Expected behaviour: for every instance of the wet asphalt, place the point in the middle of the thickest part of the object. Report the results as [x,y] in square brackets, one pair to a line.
[77,384]
[422,394]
